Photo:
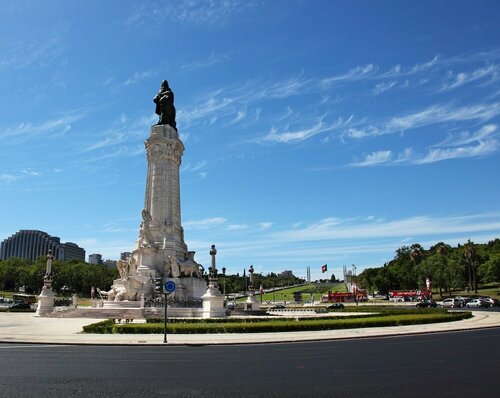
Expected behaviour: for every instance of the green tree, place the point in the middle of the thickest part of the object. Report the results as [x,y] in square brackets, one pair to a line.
[470,254]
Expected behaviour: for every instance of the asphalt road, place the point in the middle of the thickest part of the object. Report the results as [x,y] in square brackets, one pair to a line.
[454,364]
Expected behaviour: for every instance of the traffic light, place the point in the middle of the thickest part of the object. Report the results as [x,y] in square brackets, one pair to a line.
[158,285]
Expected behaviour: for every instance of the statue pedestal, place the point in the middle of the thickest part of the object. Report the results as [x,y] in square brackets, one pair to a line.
[45,299]
[251,303]
[213,302]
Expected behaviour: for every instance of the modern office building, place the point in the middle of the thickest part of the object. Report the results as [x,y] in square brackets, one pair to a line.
[111,264]
[95,259]
[286,274]
[30,244]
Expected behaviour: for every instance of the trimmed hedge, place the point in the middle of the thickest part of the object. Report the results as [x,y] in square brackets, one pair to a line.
[287,325]
[16,310]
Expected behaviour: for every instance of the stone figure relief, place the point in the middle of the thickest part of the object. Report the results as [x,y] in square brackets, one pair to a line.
[113,294]
[145,232]
[189,267]
[48,269]
[165,108]
[123,268]
[172,269]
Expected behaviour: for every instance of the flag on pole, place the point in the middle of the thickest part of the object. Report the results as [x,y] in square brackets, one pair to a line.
[324,268]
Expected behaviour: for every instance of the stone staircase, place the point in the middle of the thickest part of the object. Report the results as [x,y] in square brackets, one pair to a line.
[112,312]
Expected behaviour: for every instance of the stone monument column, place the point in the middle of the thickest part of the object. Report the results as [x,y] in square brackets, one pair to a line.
[162,201]
[213,301]
[46,298]
[161,251]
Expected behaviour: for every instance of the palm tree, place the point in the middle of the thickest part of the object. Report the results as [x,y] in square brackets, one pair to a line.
[442,250]
[470,255]
[416,253]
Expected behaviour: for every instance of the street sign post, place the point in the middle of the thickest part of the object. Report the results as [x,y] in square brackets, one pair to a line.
[169,288]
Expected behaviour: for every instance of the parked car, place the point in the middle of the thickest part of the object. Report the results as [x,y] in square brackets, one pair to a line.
[20,306]
[336,306]
[427,304]
[477,303]
[463,300]
[278,307]
[488,300]
[451,303]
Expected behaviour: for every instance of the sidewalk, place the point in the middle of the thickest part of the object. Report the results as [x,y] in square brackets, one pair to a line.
[26,328]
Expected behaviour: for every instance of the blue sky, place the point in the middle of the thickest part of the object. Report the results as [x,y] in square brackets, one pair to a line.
[315,131]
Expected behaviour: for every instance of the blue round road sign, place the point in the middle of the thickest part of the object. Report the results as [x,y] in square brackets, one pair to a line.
[169,286]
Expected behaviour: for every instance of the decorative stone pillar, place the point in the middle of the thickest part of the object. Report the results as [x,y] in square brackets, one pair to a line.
[213,300]
[251,304]
[162,201]
[46,298]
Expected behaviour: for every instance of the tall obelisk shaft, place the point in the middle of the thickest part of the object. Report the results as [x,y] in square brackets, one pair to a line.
[162,228]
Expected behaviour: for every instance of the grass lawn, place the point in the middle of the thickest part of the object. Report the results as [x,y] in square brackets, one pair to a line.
[309,291]
[490,291]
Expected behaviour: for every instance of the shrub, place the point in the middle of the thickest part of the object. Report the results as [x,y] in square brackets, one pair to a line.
[102,327]
[278,325]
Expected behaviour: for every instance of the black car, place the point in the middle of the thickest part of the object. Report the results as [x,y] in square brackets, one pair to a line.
[278,307]
[336,306]
[427,304]
[20,306]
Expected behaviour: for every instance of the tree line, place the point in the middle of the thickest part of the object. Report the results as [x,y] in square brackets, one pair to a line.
[464,267]
[77,276]
[240,283]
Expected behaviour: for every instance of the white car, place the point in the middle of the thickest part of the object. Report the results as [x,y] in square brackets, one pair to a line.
[476,303]
[451,303]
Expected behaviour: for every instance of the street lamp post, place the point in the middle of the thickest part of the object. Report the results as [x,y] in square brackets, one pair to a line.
[355,284]
[251,271]
[224,282]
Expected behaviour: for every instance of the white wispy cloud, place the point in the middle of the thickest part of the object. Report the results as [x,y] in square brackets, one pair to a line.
[357,73]
[8,178]
[374,158]
[432,115]
[239,117]
[197,12]
[139,76]
[265,225]
[443,113]
[205,223]
[194,167]
[482,148]
[212,59]
[479,143]
[237,227]
[459,79]
[383,87]
[289,136]
[227,102]
[49,129]
[335,228]
[31,172]
[465,138]
[40,50]
[114,139]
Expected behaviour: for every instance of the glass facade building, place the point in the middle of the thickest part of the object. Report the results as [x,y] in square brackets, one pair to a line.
[30,244]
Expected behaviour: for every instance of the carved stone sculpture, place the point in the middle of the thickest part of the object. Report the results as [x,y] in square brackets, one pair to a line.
[48,269]
[165,108]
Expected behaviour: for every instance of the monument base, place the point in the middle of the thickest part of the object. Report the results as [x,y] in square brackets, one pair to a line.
[213,302]
[45,302]
[251,303]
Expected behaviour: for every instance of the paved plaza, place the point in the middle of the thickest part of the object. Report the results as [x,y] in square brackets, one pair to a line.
[26,328]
